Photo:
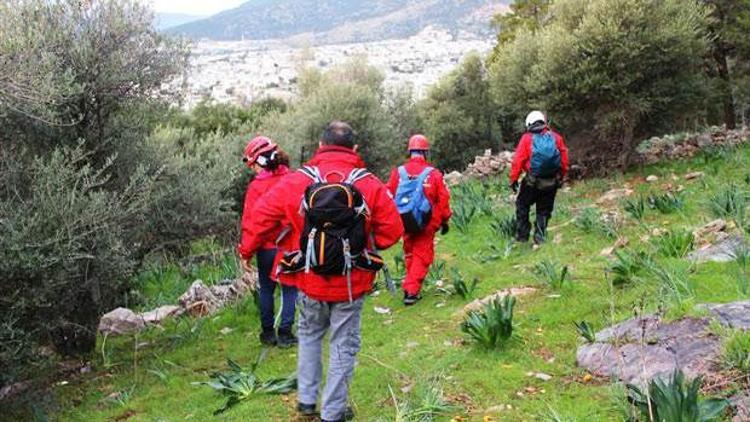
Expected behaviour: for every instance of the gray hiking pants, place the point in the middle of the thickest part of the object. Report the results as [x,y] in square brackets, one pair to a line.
[315,319]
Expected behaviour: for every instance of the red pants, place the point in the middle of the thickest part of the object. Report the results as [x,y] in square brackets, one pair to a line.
[419,252]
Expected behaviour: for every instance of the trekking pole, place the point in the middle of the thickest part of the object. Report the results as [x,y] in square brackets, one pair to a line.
[389,284]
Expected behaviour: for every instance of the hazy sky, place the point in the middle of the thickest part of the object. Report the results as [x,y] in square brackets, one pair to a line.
[194,7]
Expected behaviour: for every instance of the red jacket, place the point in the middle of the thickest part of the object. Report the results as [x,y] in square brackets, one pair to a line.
[434,188]
[261,184]
[522,158]
[283,204]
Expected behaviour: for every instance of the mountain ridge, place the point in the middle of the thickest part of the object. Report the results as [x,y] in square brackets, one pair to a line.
[341,21]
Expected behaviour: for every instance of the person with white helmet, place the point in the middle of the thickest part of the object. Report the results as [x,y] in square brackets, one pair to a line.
[542,156]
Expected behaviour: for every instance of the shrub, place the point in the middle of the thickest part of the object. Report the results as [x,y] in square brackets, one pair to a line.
[676,400]
[730,202]
[674,244]
[551,273]
[493,325]
[735,353]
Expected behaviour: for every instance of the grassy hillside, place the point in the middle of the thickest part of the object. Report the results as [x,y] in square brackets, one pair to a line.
[414,348]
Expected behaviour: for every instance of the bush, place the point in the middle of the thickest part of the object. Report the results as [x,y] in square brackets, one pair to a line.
[68,246]
[493,325]
[635,207]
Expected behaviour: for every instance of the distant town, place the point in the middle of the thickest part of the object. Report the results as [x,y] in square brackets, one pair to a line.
[243,71]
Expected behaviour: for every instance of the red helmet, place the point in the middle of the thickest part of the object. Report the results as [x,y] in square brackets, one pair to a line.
[419,143]
[257,147]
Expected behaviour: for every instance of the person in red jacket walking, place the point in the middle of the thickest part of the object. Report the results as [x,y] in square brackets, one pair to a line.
[411,182]
[270,164]
[543,157]
[327,302]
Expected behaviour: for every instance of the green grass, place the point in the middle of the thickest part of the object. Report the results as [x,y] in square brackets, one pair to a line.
[416,346]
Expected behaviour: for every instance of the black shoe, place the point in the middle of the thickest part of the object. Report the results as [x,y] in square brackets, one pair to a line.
[286,338]
[268,337]
[306,410]
[411,299]
[348,416]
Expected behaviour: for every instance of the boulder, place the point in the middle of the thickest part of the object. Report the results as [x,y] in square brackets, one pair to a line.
[694,175]
[199,300]
[652,178]
[156,316]
[478,304]
[614,195]
[741,404]
[120,321]
[640,349]
[723,251]
[453,178]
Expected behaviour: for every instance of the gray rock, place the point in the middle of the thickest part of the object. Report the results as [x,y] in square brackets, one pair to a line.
[733,315]
[723,251]
[199,300]
[120,321]
[741,404]
[156,316]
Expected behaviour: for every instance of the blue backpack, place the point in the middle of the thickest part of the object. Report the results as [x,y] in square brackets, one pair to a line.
[411,201]
[546,160]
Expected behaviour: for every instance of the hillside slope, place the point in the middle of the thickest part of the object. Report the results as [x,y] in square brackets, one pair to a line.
[329,21]
[406,350]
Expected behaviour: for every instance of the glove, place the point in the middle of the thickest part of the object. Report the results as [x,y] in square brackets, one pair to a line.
[514,186]
[246,265]
[444,229]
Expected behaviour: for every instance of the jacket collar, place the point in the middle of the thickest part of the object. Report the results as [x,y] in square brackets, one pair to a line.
[267,174]
[336,154]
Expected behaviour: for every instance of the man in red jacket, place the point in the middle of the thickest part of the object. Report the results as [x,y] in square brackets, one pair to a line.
[419,246]
[335,301]
[543,157]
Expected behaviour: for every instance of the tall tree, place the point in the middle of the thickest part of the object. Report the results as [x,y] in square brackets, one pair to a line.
[527,15]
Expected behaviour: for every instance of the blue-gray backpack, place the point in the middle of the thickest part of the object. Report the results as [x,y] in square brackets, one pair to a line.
[546,160]
[412,204]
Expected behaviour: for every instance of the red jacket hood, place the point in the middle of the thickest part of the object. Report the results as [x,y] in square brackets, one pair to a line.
[332,153]
[267,174]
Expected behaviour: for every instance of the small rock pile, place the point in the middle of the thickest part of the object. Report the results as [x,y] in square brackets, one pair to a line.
[682,146]
[483,167]
[199,300]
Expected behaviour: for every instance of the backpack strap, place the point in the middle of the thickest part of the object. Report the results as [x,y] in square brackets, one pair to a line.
[402,173]
[356,175]
[424,175]
[313,173]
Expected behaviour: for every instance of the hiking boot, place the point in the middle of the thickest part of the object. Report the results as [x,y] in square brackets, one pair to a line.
[348,416]
[411,299]
[268,337]
[286,338]
[306,410]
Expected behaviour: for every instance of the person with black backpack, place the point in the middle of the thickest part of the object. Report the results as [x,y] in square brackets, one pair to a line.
[542,155]
[341,216]
[423,201]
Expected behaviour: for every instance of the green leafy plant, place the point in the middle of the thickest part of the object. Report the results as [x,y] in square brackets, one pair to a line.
[735,353]
[586,331]
[628,266]
[635,207]
[425,406]
[731,202]
[504,225]
[673,281]
[741,255]
[675,400]
[461,287]
[551,273]
[493,324]
[674,244]
[436,273]
[666,203]
[239,385]
[463,215]
[590,220]
[494,252]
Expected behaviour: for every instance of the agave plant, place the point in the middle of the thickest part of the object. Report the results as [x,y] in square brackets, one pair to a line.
[463,215]
[425,406]
[590,220]
[586,331]
[676,400]
[731,202]
[461,287]
[492,325]
[504,226]
[551,273]
[239,385]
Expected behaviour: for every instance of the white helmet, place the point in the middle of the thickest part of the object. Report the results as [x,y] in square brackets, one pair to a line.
[534,117]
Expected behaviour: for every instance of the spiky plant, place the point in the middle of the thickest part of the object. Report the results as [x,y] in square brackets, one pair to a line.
[436,273]
[730,202]
[493,324]
[586,331]
[463,215]
[675,400]
[239,385]
[590,220]
[674,244]
[551,273]
[461,287]
[635,207]
[666,203]
[424,406]
[504,225]
[673,281]
[628,266]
